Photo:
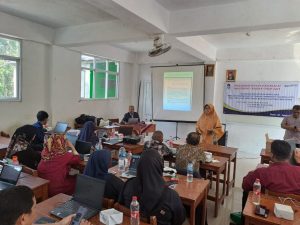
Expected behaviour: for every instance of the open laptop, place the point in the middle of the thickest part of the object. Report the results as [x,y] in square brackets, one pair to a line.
[60,128]
[9,176]
[83,147]
[131,172]
[133,120]
[89,193]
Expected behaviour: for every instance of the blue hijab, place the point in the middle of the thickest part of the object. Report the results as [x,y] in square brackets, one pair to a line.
[87,133]
[98,164]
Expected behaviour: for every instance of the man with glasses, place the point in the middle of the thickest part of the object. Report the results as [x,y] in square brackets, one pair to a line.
[291,124]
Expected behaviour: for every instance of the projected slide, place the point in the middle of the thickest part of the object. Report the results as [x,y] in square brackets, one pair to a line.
[177,91]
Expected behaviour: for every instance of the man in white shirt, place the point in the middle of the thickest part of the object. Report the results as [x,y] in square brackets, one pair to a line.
[291,124]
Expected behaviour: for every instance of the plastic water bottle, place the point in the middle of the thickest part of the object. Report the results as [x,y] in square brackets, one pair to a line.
[256,192]
[122,157]
[129,156]
[189,170]
[15,160]
[134,211]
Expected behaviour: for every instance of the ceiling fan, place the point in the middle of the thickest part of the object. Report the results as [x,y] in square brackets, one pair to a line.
[159,47]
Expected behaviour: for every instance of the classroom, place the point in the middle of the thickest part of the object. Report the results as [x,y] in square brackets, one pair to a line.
[155,69]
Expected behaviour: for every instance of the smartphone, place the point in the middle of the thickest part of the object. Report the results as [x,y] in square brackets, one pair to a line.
[262,211]
[79,216]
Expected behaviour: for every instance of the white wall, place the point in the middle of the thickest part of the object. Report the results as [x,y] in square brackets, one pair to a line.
[34,81]
[255,64]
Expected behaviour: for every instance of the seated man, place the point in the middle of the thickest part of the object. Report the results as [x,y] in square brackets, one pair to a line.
[42,118]
[190,152]
[280,176]
[130,114]
[291,124]
[18,206]
[157,144]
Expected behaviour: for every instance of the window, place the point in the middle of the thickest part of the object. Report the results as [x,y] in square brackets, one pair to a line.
[99,78]
[10,51]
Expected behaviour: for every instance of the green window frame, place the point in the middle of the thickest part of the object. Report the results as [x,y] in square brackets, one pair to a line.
[99,78]
[10,69]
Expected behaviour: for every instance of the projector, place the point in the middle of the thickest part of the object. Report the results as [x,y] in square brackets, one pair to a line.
[283,211]
[131,140]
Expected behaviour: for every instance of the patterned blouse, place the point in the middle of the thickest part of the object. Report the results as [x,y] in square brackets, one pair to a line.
[189,153]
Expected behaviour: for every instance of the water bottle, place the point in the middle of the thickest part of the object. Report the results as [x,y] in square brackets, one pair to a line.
[15,160]
[189,170]
[134,211]
[256,192]
[215,139]
[122,157]
[129,156]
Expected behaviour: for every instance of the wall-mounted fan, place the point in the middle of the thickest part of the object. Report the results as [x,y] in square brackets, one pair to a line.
[159,47]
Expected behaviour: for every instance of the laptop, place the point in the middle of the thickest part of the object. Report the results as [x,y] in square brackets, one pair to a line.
[83,147]
[133,120]
[88,193]
[9,176]
[60,128]
[131,172]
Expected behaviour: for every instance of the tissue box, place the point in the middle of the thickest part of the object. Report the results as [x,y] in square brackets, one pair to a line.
[283,211]
[111,217]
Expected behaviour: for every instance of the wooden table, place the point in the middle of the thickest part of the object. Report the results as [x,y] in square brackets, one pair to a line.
[218,168]
[43,209]
[228,152]
[265,156]
[193,194]
[268,201]
[4,142]
[135,149]
[38,185]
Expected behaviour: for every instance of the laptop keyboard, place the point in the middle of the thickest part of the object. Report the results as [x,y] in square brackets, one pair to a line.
[71,207]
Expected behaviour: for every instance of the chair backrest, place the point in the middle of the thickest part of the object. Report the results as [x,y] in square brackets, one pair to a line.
[126,212]
[223,140]
[126,130]
[30,171]
[108,203]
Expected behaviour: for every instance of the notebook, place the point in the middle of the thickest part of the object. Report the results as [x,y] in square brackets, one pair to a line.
[132,168]
[9,176]
[89,193]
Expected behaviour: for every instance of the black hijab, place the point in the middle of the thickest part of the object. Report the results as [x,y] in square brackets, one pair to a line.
[21,139]
[150,182]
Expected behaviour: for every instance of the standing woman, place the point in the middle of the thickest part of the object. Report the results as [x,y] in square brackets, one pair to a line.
[209,125]
[21,146]
[56,163]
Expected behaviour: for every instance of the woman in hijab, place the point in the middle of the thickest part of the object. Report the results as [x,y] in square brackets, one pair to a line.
[97,167]
[154,196]
[209,125]
[56,163]
[21,146]
[87,133]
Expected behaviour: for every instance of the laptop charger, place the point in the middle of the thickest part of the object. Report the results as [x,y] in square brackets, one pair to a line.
[283,211]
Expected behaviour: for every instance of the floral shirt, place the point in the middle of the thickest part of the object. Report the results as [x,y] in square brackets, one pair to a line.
[189,153]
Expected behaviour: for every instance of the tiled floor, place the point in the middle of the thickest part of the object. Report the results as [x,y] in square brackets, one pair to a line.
[233,202]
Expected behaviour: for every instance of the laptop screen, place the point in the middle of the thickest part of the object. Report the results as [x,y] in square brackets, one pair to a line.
[133,120]
[89,191]
[134,162]
[60,127]
[10,173]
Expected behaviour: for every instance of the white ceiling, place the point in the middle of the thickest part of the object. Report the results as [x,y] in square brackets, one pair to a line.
[256,38]
[140,46]
[55,13]
[175,5]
